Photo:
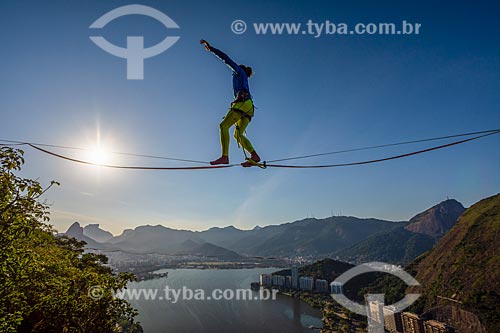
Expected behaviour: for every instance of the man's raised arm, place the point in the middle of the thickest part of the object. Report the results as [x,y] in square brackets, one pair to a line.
[222,56]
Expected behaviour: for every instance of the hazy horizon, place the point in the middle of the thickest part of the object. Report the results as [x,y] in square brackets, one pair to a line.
[117,233]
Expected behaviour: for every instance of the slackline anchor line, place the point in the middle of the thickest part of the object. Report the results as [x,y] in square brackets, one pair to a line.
[381,159]
[263,165]
[130,167]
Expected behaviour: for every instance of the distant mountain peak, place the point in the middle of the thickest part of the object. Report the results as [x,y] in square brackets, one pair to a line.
[93,231]
[150,227]
[75,230]
[205,249]
[227,228]
[438,219]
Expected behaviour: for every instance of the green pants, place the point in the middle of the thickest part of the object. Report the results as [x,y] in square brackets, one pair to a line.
[236,117]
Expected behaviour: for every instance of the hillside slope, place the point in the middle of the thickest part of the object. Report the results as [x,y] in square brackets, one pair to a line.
[465,264]
[399,246]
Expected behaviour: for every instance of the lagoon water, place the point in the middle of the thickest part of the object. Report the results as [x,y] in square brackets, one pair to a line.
[284,314]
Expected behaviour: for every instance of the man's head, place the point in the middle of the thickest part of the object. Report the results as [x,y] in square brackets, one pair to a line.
[247,70]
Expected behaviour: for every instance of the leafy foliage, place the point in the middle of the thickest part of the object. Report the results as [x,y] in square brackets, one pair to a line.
[45,279]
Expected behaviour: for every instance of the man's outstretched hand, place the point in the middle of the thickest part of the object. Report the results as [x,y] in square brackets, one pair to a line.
[205,43]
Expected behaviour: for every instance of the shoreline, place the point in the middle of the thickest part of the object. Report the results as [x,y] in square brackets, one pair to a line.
[334,318]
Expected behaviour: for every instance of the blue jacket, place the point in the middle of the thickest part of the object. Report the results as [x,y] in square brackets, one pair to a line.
[240,78]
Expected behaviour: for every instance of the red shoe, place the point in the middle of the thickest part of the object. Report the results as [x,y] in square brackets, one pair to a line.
[221,160]
[254,158]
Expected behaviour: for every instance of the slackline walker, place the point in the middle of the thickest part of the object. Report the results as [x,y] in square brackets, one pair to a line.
[240,113]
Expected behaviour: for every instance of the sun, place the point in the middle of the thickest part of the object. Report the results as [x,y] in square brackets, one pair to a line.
[99,150]
[99,155]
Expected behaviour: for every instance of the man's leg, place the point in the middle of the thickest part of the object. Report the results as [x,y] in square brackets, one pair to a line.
[239,135]
[229,120]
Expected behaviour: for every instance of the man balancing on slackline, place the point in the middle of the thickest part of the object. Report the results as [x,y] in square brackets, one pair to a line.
[240,112]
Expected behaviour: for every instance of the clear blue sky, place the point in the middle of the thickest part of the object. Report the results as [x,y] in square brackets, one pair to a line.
[312,94]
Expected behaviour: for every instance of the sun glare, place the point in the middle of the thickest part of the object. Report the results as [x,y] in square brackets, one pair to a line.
[98,150]
[99,155]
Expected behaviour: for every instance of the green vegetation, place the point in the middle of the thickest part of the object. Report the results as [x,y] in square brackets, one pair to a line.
[465,264]
[398,246]
[327,269]
[45,279]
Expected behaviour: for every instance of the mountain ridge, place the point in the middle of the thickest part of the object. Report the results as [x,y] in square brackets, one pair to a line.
[403,244]
[304,237]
